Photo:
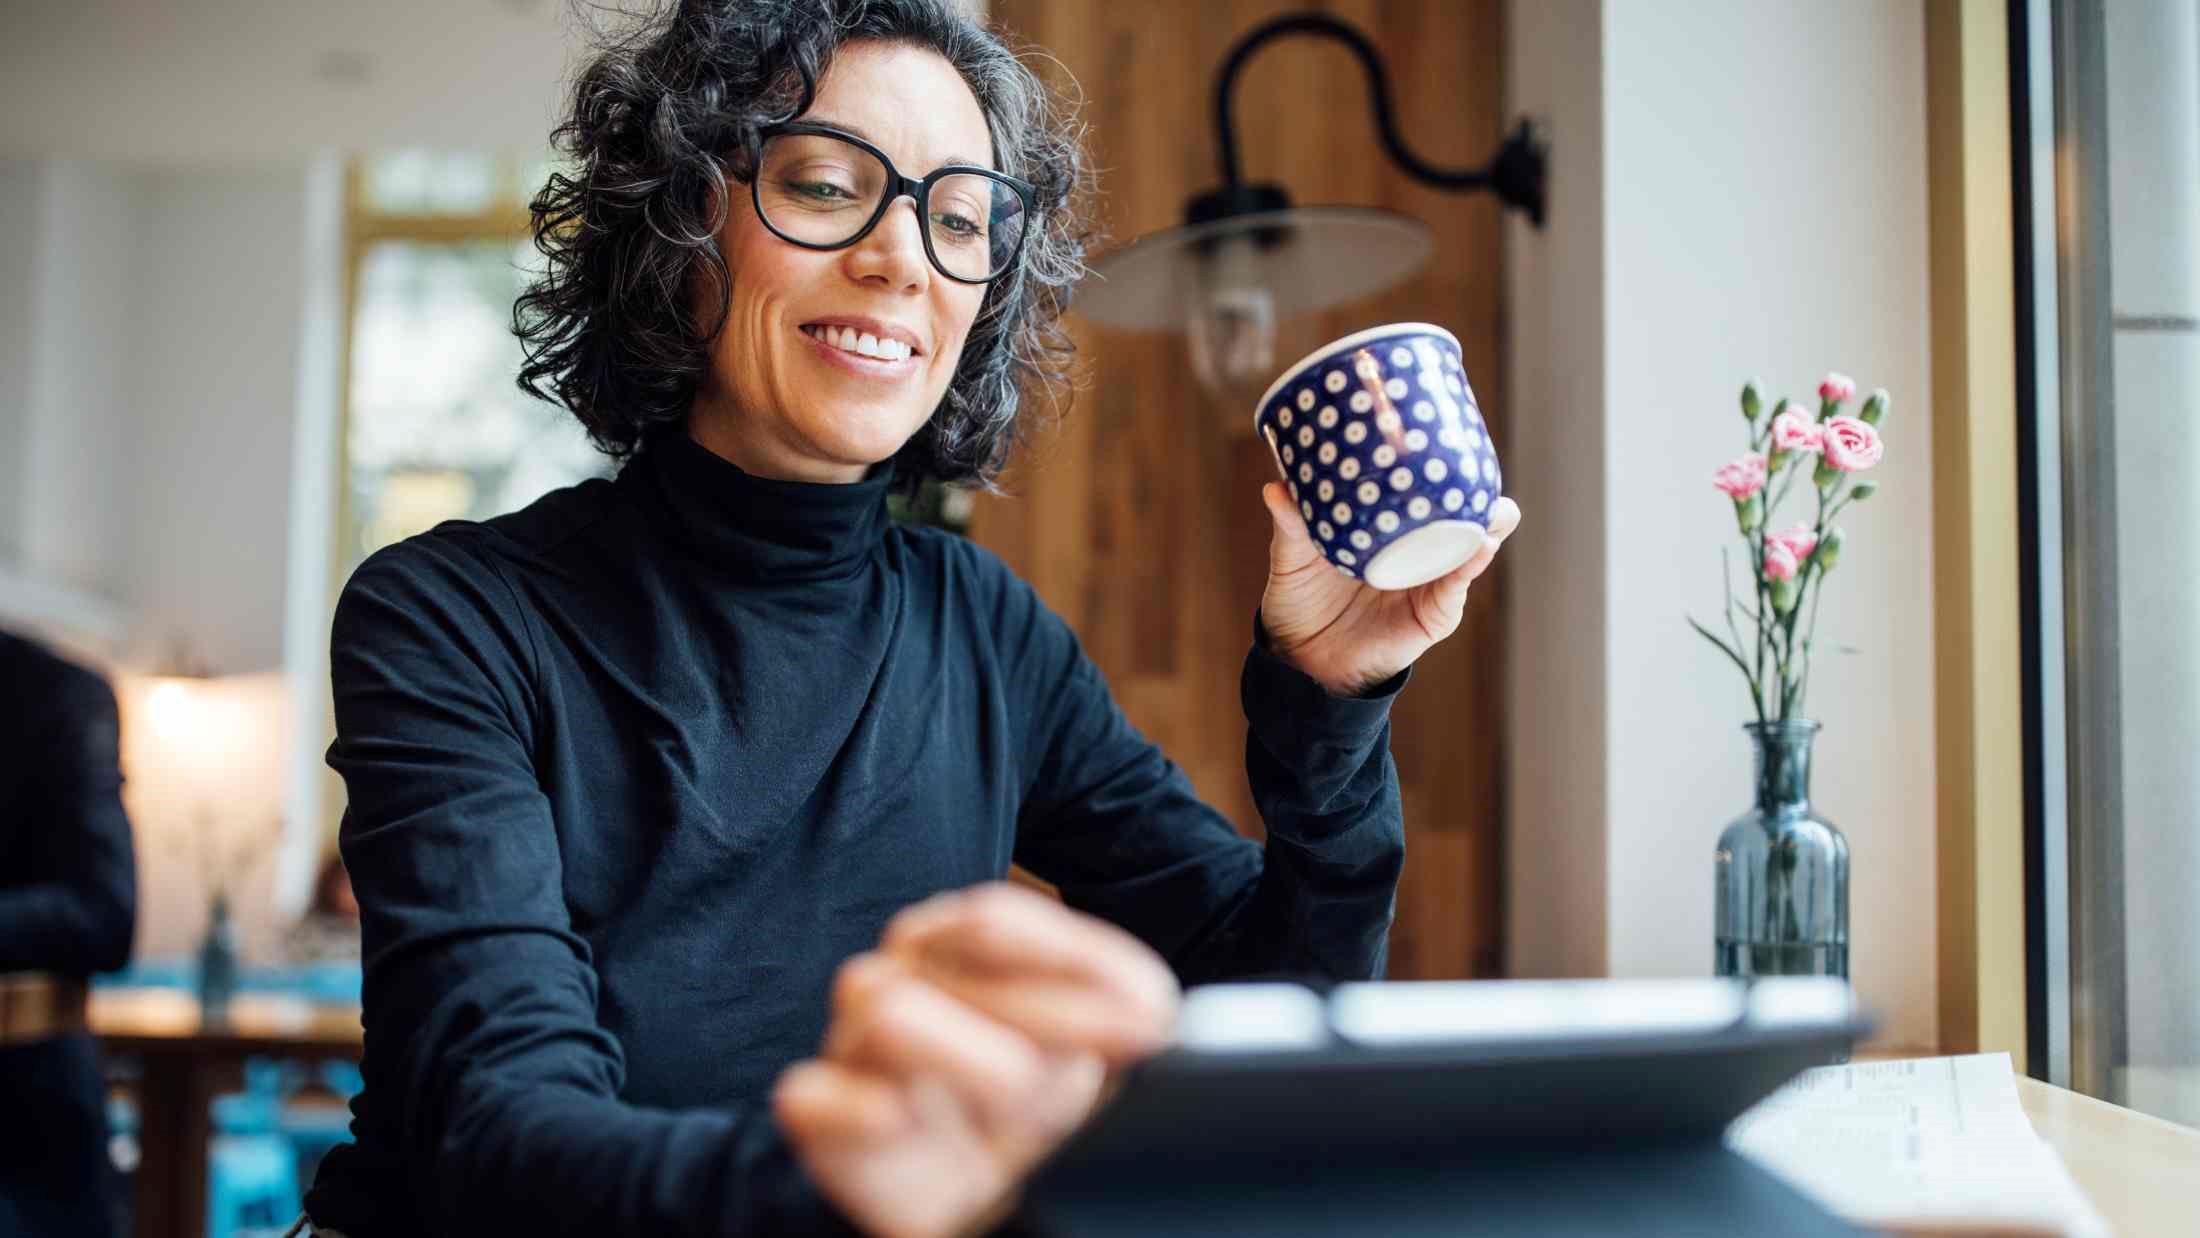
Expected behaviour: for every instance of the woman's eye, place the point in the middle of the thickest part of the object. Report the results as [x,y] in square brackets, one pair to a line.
[822,191]
[958,225]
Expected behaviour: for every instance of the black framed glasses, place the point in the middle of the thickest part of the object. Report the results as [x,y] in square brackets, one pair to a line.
[822,188]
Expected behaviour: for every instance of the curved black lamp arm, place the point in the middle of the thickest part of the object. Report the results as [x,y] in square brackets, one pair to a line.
[1515,173]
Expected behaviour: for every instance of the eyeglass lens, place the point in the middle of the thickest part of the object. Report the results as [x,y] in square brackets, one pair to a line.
[820,190]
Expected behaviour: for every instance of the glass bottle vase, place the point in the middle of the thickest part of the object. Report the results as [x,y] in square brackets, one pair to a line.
[1781,871]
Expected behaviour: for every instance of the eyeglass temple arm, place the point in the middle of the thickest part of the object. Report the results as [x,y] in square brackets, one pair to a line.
[1515,173]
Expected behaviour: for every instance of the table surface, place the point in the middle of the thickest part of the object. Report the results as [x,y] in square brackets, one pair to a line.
[184,1061]
[151,1020]
[2142,1173]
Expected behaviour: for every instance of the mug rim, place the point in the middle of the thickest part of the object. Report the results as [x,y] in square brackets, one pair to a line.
[1343,342]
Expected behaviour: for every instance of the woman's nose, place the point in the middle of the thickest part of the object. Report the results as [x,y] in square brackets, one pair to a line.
[894,250]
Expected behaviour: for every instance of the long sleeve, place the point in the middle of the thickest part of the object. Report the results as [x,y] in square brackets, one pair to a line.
[69,905]
[480,998]
[1118,829]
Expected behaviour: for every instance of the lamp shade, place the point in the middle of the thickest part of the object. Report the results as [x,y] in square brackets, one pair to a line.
[1306,258]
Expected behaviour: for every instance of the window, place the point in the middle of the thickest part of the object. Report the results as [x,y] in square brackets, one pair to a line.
[435,427]
[2108,252]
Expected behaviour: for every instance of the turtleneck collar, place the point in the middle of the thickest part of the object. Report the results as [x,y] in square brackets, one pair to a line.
[759,528]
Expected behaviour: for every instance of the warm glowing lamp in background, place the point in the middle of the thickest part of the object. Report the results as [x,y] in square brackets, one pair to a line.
[1247,258]
[203,765]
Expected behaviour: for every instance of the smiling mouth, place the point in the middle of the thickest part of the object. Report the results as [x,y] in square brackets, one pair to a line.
[856,343]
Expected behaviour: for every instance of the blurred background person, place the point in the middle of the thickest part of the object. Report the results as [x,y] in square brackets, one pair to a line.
[328,931]
[68,901]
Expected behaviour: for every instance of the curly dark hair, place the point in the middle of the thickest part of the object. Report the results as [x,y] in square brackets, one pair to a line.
[670,107]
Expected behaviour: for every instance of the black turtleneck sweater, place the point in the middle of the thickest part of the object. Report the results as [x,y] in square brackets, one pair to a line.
[632,770]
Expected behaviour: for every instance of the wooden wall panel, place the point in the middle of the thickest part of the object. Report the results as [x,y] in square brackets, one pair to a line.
[1139,516]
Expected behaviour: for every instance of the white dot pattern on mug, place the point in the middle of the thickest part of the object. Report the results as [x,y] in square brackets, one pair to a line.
[1367,457]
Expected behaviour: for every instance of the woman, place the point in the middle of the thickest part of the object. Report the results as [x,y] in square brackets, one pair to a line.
[678,803]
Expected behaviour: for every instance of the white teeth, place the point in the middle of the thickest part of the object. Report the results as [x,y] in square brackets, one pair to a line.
[848,339]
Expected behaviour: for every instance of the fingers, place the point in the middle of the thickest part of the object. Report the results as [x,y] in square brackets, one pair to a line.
[1060,1017]
[1291,547]
[903,1057]
[1070,980]
[1447,596]
[890,1023]
[833,1103]
[1504,518]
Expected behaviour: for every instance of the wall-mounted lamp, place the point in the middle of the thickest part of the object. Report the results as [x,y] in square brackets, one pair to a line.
[1246,256]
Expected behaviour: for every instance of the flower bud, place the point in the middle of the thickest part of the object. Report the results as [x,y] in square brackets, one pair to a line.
[1752,402]
[1875,407]
[1864,490]
[1829,549]
[1784,595]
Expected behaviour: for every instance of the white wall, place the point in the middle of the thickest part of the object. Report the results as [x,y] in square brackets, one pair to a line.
[75,501]
[19,180]
[169,370]
[1557,466]
[149,388]
[214,384]
[1763,213]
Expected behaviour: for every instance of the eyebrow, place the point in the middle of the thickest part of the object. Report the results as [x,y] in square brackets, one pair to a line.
[845,127]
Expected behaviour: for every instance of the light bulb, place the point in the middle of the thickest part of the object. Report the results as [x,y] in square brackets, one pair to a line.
[1231,324]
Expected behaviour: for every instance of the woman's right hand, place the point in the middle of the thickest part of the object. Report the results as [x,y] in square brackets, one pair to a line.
[962,1051]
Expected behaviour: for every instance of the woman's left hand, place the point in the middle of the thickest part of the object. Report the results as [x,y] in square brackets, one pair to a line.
[1347,634]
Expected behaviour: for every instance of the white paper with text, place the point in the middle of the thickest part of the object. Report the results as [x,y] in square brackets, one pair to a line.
[1922,1141]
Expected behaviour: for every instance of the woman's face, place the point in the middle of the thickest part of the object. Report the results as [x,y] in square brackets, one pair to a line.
[781,402]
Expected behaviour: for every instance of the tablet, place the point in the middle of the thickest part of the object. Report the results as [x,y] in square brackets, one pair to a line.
[1280,1096]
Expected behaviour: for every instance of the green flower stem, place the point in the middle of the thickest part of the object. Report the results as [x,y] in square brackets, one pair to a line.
[1736,656]
[1810,637]
[1756,694]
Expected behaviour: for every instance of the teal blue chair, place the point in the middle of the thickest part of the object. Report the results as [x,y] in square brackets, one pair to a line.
[251,1166]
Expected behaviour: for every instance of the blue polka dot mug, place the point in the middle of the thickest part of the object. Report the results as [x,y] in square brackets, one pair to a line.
[1383,446]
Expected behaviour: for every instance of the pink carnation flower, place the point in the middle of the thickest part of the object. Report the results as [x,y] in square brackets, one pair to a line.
[1780,562]
[1792,431]
[1798,541]
[1741,478]
[1836,387]
[1850,445]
